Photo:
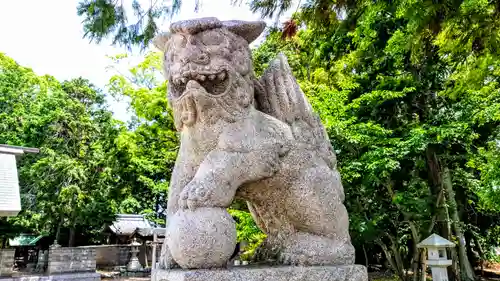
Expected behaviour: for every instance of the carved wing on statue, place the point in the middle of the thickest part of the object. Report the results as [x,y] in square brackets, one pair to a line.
[278,94]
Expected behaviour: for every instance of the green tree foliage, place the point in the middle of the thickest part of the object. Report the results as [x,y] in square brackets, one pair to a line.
[149,148]
[103,18]
[134,23]
[92,167]
[70,184]
[409,94]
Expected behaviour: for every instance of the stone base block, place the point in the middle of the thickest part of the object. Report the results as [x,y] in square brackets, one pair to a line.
[83,276]
[282,273]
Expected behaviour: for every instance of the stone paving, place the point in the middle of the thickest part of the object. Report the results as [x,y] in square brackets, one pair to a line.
[128,278]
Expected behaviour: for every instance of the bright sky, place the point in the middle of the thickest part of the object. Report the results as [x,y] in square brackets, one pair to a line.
[47,36]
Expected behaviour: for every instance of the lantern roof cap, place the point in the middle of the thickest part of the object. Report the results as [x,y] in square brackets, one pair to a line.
[435,241]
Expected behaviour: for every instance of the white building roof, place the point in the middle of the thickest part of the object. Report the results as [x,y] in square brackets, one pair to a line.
[435,241]
[150,231]
[126,224]
[16,150]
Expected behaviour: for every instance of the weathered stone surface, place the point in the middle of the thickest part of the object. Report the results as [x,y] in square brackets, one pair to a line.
[59,277]
[201,238]
[71,259]
[286,273]
[255,139]
[6,261]
[109,256]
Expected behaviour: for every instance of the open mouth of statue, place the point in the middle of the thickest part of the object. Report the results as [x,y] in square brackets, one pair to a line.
[215,83]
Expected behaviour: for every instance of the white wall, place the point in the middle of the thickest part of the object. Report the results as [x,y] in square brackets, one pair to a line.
[10,200]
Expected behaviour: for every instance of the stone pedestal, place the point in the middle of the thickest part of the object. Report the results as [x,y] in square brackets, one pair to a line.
[6,261]
[282,273]
[82,276]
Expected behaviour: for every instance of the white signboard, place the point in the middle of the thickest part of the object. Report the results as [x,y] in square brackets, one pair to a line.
[10,200]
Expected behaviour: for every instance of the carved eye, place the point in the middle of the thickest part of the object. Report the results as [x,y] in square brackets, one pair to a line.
[212,37]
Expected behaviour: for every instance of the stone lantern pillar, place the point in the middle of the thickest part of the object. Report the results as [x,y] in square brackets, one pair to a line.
[437,258]
[134,264]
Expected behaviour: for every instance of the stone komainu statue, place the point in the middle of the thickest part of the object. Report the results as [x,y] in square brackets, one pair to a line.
[254,139]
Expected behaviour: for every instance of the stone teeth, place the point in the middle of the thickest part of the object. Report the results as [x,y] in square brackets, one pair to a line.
[184,80]
[211,77]
[221,75]
[201,77]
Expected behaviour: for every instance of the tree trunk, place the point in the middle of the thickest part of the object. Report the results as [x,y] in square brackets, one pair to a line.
[454,269]
[472,254]
[391,260]
[466,271]
[415,236]
[481,254]
[416,239]
[397,257]
[58,232]
[435,176]
[366,256]
[423,259]
[423,253]
[442,213]
[72,233]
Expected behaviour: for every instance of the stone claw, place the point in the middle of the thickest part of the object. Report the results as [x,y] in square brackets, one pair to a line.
[295,259]
[194,195]
[307,249]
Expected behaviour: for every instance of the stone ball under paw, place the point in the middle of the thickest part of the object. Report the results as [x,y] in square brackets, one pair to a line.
[201,238]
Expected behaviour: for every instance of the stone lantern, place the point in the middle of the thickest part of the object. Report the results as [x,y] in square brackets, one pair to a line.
[437,258]
[134,264]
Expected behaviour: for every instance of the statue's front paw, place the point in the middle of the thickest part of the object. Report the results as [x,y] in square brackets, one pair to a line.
[195,195]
